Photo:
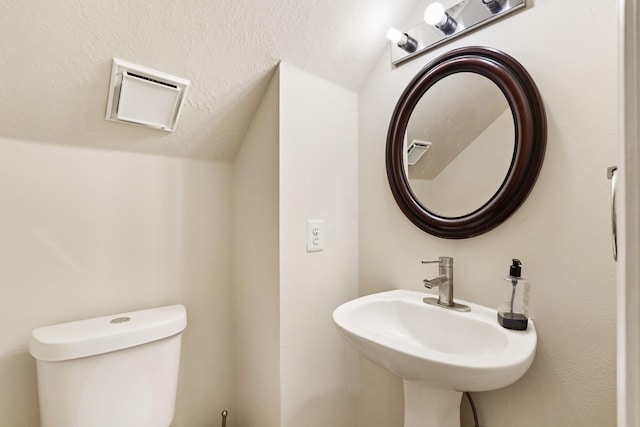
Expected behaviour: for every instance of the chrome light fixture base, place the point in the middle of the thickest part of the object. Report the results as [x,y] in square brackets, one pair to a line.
[468,15]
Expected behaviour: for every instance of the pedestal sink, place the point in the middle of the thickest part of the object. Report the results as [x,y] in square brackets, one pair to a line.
[439,353]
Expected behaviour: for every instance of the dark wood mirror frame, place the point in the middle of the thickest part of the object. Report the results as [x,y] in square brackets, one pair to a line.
[530,141]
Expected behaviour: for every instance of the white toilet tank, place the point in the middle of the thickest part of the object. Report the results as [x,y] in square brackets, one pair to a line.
[119,370]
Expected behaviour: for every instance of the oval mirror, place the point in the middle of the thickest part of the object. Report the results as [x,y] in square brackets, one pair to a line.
[466,142]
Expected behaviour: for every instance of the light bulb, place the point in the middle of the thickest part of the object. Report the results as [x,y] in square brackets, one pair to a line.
[435,15]
[395,36]
[402,40]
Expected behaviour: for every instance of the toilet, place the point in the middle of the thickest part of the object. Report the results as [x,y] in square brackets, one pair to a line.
[119,370]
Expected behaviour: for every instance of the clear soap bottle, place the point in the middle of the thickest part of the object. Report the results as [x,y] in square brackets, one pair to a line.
[513,313]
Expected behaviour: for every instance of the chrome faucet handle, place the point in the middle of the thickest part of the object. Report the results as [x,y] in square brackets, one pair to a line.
[444,261]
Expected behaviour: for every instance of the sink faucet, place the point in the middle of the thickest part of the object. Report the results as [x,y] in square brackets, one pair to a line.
[444,282]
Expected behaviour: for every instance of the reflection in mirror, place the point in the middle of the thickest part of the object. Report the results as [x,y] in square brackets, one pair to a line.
[460,142]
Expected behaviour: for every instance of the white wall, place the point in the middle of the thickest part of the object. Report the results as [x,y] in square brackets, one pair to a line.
[256,273]
[88,233]
[298,161]
[561,233]
[318,180]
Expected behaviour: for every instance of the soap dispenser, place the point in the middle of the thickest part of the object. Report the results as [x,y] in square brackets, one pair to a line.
[513,313]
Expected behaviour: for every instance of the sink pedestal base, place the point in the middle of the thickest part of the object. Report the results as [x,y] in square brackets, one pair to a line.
[425,406]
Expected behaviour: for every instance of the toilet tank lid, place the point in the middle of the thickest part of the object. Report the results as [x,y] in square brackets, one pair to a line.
[99,335]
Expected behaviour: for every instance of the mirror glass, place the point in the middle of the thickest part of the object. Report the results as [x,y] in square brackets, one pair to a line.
[459,144]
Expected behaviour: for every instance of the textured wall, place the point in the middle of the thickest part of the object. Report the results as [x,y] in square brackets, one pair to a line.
[61,51]
[88,233]
[561,233]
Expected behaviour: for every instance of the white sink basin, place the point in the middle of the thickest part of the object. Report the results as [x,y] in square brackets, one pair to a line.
[430,345]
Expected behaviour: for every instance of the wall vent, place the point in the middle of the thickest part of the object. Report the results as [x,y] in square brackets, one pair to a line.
[141,96]
[416,150]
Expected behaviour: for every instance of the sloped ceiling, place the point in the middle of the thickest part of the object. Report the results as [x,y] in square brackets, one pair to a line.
[56,63]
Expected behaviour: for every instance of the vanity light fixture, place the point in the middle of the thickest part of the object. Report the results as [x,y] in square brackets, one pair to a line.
[436,16]
[402,40]
[442,24]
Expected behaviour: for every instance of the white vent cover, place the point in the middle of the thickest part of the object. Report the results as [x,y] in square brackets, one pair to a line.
[142,96]
[416,150]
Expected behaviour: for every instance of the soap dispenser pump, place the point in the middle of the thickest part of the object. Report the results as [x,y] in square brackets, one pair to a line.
[513,313]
